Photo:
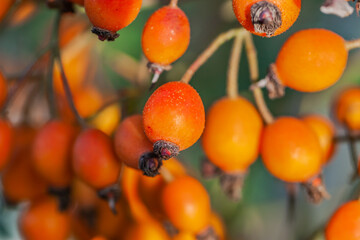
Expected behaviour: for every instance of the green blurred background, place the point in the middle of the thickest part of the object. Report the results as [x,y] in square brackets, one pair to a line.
[262,212]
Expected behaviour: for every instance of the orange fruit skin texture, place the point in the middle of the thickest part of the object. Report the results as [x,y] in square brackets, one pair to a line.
[345,223]
[52,153]
[150,230]
[166,35]
[289,9]
[83,195]
[174,113]
[184,236]
[218,225]
[290,150]
[3,90]
[347,108]
[325,131]
[311,60]
[4,7]
[187,204]
[232,134]
[6,142]
[94,159]
[112,15]
[20,180]
[42,220]
[131,141]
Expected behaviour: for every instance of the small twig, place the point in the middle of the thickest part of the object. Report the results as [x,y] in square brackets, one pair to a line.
[353,152]
[254,75]
[352,44]
[173,3]
[291,204]
[68,93]
[233,70]
[206,54]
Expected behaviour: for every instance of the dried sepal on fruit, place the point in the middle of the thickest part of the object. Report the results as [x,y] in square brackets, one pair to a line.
[339,8]
[267,18]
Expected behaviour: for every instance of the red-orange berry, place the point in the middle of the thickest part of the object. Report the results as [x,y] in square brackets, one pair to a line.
[149,230]
[95,162]
[166,35]
[6,142]
[134,148]
[310,60]
[4,7]
[110,16]
[3,90]
[52,153]
[290,150]
[267,18]
[187,204]
[174,118]
[345,223]
[42,220]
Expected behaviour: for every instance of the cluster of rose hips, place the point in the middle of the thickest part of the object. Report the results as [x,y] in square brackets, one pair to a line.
[132,165]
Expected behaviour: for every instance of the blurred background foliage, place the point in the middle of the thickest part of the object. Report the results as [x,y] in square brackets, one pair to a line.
[262,212]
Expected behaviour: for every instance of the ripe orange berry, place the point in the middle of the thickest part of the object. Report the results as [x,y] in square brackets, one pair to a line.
[232,134]
[184,236]
[344,224]
[3,90]
[110,16]
[94,159]
[174,118]
[347,108]
[218,225]
[166,35]
[310,60]
[83,195]
[6,142]
[4,7]
[133,147]
[186,204]
[149,230]
[52,153]
[20,180]
[325,131]
[267,18]
[42,220]
[71,26]
[108,119]
[290,150]
[23,12]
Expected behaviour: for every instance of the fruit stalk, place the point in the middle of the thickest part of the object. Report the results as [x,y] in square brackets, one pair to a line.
[232,74]
[208,52]
[173,3]
[254,75]
[352,44]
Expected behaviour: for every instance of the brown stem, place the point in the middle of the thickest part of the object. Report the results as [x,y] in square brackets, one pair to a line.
[254,75]
[173,3]
[352,44]
[233,70]
[206,54]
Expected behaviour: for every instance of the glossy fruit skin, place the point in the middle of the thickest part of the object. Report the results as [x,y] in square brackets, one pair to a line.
[42,220]
[186,204]
[3,90]
[345,223]
[347,108]
[112,15]
[52,150]
[174,113]
[131,142]
[94,159]
[311,60]
[325,131]
[6,142]
[289,9]
[166,35]
[290,150]
[232,134]
[149,230]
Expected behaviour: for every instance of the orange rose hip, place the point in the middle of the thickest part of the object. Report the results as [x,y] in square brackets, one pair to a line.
[109,16]
[134,148]
[173,118]
[267,18]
